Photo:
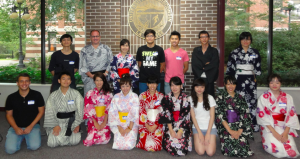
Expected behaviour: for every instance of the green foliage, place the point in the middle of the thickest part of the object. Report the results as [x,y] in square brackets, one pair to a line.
[4,56]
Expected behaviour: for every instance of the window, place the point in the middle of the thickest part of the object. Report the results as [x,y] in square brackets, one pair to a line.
[51,41]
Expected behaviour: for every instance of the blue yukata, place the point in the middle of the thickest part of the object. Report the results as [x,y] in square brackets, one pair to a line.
[245,66]
[120,62]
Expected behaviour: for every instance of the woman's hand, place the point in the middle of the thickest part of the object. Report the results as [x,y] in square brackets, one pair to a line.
[277,136]
[173,134]
[207,139]
[202,138]
[234,134]
[179,134]
[121,130]
[127,131]
[284,137]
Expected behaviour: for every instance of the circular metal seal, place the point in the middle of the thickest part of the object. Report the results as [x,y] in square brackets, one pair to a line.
[150,14]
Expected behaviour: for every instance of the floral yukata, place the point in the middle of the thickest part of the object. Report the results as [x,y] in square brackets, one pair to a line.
[245,66]
[95,98]
[130,104]
[176,147]
[278,113]
[150,141]
[235,112]
[120,62]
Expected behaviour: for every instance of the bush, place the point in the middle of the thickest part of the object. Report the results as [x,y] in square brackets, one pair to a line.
[4,56]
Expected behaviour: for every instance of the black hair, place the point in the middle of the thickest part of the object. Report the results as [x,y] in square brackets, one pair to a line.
[64,73]
[124,41]
[148,31]
[273,76]
[245,35]
[230,79]
[152,79]
[95,30]
[203,32]
[175,80]
[125,79]
[23,75]
[175,33]
[105,87]
[200,82]
[66,36]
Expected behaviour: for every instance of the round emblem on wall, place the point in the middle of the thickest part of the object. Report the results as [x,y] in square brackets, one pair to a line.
[150,14]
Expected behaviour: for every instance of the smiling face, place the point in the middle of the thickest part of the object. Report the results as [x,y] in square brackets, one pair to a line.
[125,48]
[23,83]
[175,88]
[95,38]
[174,39]
[65,81]
[150,38]
[125,88]
[230,87]
[275,85]
[98,83]
[66,42]
[199,89]
[152,87]
[246,42]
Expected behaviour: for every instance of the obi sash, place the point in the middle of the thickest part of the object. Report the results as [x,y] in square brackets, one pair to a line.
[152,114]
[244,69]
[102,71]
[100,111]
[232,116]
[176,115]
[122,71]
[279,117]
[71,116]
[123,116]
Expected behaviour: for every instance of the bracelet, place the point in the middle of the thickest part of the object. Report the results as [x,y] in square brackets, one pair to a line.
[180,130]
[129,128]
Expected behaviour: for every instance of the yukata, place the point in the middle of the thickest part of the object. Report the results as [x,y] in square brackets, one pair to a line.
[118,66]
[149,113]
[278,113]
[92,99]
[93,60]
[65,111]
[121,104]
[176,112]
[245,66]
[235,111]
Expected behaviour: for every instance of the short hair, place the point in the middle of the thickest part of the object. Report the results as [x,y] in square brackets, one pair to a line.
[175,80]
[245,35]
[125,79]
[230,79]
[203,32]
[105,87]
[148,31]
[124,41]
[175,33]
[64,73]
[152,79]
[272,76]
[66,36]
[23,75]
[94,30]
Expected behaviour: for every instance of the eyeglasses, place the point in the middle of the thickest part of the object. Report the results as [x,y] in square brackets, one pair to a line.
[95,36]
[203,37]
[149,36]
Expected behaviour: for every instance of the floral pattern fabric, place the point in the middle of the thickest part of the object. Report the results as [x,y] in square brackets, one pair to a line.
[119,62]
[130,104]
[91,100]
[150,141]
[174,146]
[246,83]
[269,105]
[230,146]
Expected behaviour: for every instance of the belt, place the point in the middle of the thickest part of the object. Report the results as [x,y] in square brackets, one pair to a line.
[123,116]
[122,71]
[232,116]
[176,115]
[94,72]
[71,116]
[279,117]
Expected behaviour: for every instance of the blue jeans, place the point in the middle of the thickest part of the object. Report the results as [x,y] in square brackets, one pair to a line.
[143,87]
[13,141]
[167,88]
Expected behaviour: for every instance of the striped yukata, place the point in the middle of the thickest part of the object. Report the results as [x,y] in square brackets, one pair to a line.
[92,60]
[60,103]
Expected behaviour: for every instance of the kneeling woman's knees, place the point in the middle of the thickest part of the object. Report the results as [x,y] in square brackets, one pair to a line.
[210,153]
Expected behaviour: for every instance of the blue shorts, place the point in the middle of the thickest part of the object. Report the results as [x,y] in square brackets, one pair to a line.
[212,132]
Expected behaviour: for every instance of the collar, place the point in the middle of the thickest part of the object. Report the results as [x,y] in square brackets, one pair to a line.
[127,94]
[29,92]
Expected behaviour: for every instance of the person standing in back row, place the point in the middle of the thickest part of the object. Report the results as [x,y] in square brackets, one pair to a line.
[151,60]
[205,62]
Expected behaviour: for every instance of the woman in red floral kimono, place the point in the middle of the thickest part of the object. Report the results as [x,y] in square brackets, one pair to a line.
[151,132]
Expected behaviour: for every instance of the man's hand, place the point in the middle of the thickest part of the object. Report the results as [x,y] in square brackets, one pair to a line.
[19,131]
[76,130]
[56,130]
[28,129]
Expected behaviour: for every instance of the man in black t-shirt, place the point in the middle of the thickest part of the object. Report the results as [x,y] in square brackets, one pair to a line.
[24,109]
[151,60]
[64,60]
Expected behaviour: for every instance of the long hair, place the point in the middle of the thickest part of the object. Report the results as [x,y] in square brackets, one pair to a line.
[200,82]
[105,87]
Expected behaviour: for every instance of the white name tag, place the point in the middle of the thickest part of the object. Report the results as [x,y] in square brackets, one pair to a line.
[71,62]
[232,110]
[71,102]
[124,117]
[157,102]
[101,100]
[155,53]
[178,58]
[30,102]
[281,104]
[252,56]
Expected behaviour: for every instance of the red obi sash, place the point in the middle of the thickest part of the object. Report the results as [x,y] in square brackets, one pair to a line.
[279,117]
[122,71]
[176,115]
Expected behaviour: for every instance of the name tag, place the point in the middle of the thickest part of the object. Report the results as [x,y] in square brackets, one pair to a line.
[157,102]
[30,102]
[178,58]
[71,62]
[70,102]
[252,56]
[281,104]
[155,53]
[101,100]
[124,117]
[232,110]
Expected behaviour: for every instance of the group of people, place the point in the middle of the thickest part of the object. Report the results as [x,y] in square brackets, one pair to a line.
[153,121]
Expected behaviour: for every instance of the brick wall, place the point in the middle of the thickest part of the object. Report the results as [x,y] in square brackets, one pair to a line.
[190,17]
